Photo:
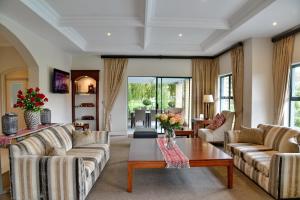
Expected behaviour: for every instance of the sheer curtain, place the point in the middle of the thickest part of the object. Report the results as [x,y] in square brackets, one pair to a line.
[114,72]
[282,59]
[204,81]
[237,60]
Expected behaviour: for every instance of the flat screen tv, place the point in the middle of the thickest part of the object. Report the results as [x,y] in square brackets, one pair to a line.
[60,81]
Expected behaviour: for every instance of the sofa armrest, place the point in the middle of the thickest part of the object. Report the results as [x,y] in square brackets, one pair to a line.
[47,177]
[102,137]
[230,137]
[284,175]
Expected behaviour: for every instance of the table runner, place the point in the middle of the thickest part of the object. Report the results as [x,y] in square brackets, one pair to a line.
[174,157]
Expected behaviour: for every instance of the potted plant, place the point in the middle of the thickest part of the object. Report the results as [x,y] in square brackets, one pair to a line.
[31,101]
[169,122]
[146,102]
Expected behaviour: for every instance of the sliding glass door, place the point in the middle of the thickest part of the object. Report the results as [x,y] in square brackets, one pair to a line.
[148,96]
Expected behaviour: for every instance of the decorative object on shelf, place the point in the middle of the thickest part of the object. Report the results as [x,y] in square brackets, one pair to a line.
[147,102]
[91,89]
[46,116]
[87,117]
[31,101]
[169,122]
[87,105]
[207,99]
[9,123]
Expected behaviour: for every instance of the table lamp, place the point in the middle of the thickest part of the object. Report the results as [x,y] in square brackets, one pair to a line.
[207,99]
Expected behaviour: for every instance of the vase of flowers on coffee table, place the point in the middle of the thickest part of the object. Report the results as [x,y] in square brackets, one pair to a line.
[31,101]
[169,122]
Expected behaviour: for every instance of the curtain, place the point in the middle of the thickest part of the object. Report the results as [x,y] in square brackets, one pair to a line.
[114,71]
[204,81]
[237,60]
[282,59]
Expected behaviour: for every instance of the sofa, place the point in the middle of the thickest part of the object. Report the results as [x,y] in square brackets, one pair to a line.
[273,162]
[36,175]
[217,135]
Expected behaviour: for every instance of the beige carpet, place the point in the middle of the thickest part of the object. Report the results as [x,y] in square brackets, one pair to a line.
[163,184]
[167,184]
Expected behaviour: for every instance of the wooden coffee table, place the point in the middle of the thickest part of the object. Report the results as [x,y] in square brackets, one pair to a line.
[145,153]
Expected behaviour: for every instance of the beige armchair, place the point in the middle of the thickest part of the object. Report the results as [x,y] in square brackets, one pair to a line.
[217,135]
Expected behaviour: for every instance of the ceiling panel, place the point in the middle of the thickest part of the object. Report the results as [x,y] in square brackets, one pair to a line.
[171,35]
[211,9]
[121,8]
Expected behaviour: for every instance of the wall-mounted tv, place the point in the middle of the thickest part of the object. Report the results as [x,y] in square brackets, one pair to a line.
[60,81]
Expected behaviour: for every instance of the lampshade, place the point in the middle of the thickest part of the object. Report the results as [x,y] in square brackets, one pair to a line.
[208,98]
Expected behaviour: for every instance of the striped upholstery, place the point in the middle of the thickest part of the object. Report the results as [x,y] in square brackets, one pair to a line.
[275,166]
[35,175]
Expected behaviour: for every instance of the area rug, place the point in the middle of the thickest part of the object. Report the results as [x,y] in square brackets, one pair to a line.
[165,184]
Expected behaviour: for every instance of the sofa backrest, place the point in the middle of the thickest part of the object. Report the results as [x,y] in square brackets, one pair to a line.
[277,138]
[58,136]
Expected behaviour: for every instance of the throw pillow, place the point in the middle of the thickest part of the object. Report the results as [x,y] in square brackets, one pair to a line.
[250,135]
[217,121]
[81,138]
[57,151]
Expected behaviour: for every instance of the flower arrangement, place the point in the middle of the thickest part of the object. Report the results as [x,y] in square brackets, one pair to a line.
[170,121]
[30,100]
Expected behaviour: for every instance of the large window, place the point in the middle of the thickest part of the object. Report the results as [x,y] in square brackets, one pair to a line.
[294,104]
[226,96]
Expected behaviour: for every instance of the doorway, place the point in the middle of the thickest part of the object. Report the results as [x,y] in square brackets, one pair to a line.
[148,96]
[15,81]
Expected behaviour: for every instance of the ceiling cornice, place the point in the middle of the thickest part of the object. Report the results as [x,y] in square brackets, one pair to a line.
[43,10]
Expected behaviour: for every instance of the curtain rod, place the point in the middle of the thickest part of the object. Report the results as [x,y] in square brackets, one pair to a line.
[294,30]
[173,57]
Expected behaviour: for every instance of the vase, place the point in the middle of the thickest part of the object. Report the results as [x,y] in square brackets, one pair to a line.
[9,123]
[45,116]
[32,119]
[170,137]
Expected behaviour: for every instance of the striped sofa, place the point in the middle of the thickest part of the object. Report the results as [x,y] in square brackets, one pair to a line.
[34,175]
[274,165]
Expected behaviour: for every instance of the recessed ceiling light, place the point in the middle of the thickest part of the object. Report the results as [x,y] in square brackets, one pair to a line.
[108,34]
[180,35]
[274,23]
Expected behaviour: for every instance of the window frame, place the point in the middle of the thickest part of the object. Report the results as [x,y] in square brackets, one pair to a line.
[230,97]
[291,97]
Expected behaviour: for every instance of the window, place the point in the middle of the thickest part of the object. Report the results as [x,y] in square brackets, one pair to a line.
[294,104]
[226,96]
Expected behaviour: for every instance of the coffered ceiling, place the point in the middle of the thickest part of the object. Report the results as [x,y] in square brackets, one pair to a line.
[152,27]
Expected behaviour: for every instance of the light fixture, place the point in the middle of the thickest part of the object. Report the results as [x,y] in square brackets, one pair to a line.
[274,23]
[180,35]
[108,34]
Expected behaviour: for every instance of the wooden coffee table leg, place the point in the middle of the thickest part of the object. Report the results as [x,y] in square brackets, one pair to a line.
[230,175]
[129,178]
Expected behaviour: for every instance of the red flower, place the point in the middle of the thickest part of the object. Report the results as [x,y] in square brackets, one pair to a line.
[20,92]
[37,89]
[41,96]
[30,90]
[20,96]
[32,99]
[15,105]
[37,104]
[46,99]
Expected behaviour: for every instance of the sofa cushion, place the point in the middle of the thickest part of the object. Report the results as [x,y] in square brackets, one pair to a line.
[260,160]
[277,138]
[217,121]
[240,149]
[250,135]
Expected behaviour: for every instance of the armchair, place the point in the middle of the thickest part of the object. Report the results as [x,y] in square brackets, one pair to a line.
[217,135]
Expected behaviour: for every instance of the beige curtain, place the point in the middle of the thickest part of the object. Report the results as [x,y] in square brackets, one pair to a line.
[114,72]
[237,60]
[204,81]
[282,59]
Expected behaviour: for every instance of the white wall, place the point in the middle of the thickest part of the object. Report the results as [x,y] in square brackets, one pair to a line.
[46,57]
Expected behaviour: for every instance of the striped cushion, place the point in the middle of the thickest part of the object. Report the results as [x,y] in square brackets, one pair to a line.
[276,137]
[260,160]
[240,149]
